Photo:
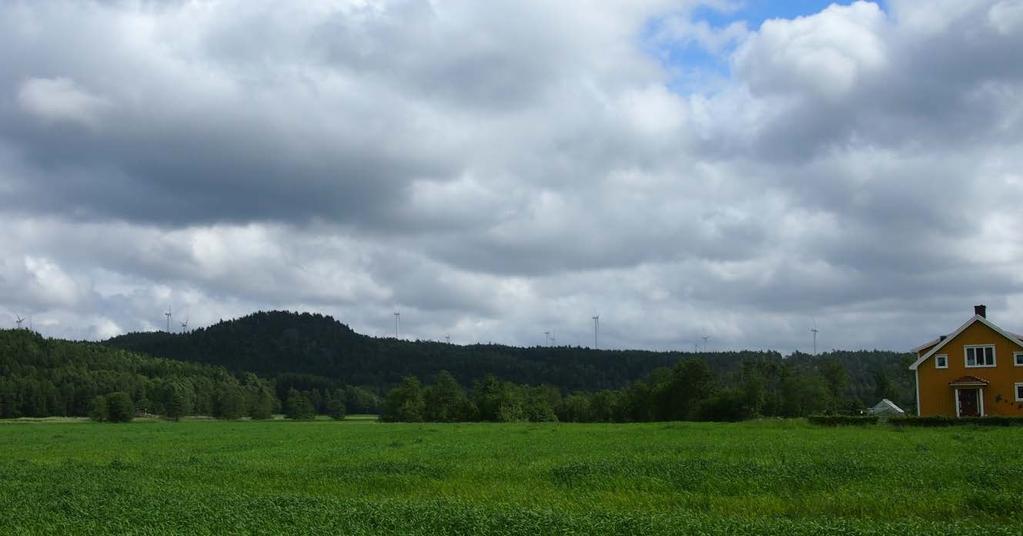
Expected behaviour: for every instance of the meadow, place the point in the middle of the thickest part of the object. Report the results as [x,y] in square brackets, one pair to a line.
[366,477]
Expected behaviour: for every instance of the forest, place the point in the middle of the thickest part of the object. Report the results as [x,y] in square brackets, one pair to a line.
[316,354]
[304,364]
[42,377]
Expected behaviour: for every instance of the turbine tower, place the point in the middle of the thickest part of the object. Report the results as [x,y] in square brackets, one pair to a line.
[168,315]
[813,330]
[19,320]
[397,315]
[596,330]
[184,325]
[547,338]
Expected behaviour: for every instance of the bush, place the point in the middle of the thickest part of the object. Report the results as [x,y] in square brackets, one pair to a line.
[937,421]
[120,407]
[843,420]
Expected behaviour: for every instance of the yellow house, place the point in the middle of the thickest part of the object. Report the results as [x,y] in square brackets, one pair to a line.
[976,370]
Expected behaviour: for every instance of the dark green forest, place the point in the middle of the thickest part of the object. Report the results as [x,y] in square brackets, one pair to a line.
[315,353]
[47,377]
[308,364]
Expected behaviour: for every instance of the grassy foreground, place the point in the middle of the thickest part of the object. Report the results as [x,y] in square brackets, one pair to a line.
[365,477]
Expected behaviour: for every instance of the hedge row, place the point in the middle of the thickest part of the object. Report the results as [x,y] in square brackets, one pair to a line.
[864,420]
[992,420]
[842,420]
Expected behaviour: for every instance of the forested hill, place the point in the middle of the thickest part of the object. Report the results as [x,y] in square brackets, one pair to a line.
[48,377]
[288,344]
[275,343]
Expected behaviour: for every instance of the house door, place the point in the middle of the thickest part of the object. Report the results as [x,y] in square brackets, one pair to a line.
[968,405]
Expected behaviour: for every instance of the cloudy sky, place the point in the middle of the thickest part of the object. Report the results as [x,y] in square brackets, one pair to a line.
[494,170]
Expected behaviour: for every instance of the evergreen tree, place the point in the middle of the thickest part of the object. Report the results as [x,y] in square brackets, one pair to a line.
[179,404]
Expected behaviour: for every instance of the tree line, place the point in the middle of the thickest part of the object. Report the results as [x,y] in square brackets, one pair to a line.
[45,377]
[42,377]
[318,354]
[688,391]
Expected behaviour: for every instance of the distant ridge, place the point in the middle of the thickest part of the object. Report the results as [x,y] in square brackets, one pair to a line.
[281,342]
[303,346]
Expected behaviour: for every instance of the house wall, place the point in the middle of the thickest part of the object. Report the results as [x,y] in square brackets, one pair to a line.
[937,398]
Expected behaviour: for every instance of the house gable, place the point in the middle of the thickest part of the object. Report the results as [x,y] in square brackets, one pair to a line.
[937,348]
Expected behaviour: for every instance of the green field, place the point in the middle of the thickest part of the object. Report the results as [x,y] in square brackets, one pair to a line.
[365,477]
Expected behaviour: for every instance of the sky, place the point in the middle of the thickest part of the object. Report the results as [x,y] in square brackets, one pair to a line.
[735,170]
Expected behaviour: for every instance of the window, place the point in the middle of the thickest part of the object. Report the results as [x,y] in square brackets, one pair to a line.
[941,361]
[980,356]
[1019,392]
[1018,359]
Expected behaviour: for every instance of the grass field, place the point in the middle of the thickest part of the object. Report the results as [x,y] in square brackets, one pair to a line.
[364,477]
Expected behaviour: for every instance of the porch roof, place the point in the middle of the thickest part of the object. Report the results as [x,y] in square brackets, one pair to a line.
[968,381]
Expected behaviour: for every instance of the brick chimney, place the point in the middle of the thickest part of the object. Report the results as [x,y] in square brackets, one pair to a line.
[980,310]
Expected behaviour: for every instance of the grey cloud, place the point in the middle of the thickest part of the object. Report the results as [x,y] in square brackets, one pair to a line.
[495,171]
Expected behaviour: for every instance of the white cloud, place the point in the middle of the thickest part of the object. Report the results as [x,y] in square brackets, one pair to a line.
[825,54]
[56,100]
[1007,16]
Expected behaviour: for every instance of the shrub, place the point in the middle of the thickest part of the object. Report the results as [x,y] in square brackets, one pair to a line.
[120,407]
[842,420]
[937,421]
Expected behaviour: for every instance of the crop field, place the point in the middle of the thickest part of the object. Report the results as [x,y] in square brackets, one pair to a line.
[365,477]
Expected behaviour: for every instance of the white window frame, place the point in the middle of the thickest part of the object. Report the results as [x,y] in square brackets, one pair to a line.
[1015,391]
[1017,359]
[940,356]
[966,357]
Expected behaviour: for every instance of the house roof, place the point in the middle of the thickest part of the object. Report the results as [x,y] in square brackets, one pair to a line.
[927,344]
[976,318]
[968,380]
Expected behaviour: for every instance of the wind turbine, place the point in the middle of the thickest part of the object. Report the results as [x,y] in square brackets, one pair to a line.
[596,329]
[813,330]
[184,325]
[19,320]
[547,336]
[705,339]
[397,315]
[168,315]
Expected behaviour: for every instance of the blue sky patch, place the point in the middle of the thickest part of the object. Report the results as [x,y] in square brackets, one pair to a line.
[693,67]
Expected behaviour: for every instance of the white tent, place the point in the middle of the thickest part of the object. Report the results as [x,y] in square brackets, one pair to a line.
[886,407]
